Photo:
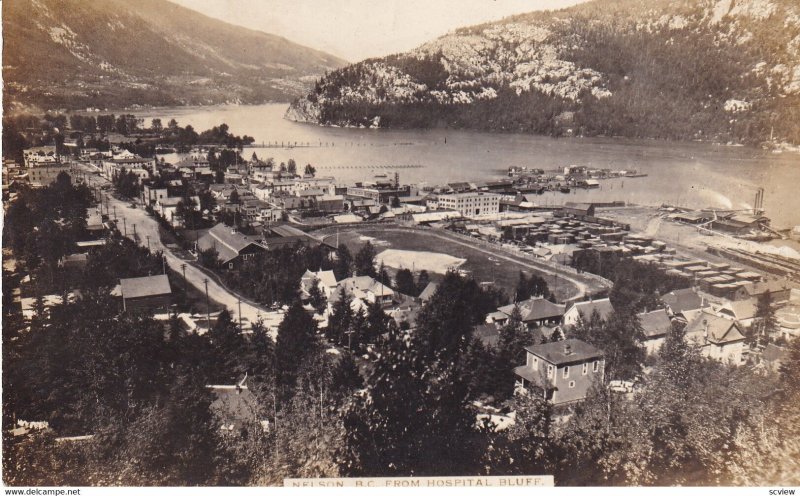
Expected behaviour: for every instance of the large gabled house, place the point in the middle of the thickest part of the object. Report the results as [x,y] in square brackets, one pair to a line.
[561,372]
[365,289]
[535,312]
[585,309]
[718,337]
[232,247]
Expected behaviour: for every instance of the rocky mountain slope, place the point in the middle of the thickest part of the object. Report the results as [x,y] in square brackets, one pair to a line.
[723,70]
[113,53]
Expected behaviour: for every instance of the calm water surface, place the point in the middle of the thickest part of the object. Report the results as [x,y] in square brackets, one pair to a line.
[688,174]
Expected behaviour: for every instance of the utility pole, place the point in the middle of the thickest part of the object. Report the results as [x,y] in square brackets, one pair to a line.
[240,315]
[183,267]
[148,242]
[164,262]
[124,227]
[134,230]
[208,310]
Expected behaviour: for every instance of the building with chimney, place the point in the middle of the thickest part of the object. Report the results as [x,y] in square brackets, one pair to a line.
[561,372]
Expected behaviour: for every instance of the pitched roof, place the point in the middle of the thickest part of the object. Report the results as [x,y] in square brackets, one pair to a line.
[586,308]
[227,241]
[720,329]
[326,277]
[565,352]
[536,308]
[740,309]
[757,288]
[139,287]
[682,299]
[287,231]
[655,324]
[429,291]
[358,286]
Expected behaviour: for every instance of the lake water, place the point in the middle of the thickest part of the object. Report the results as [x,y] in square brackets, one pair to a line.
[689,174]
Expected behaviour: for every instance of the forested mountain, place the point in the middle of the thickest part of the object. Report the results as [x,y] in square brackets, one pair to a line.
[722,70]
[113,53]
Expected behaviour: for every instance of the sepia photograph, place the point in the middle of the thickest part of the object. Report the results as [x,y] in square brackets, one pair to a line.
[446,245]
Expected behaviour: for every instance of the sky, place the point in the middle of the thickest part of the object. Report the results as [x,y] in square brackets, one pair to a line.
[358,29]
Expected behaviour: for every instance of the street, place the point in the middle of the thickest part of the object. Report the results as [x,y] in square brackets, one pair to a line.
[135,220]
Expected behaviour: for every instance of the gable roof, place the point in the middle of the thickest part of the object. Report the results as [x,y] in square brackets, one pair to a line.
[681,300]
[326,277]
[534,309]
[655,324]
[586,308]
[358,286]
[565,352]
[740,309]
[757,288]
[227,241]
[720,330]
[429,291]
[139,287]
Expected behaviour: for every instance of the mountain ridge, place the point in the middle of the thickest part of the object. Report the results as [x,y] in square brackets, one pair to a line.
[721,70]
[114,53]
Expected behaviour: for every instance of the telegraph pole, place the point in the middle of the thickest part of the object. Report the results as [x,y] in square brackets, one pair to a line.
[124,227]
[183,267]
[240,315]
[164,262]
[148,242]
[208,310]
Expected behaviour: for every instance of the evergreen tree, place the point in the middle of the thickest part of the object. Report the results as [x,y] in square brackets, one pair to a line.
[296,341]
[404,282]
[365,261]
[344,263]
[423,279]
[340,320]
[315,297]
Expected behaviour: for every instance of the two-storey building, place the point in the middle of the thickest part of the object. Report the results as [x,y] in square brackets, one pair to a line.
[561,372]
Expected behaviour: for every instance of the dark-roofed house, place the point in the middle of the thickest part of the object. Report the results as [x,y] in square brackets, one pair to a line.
[586,308]
[655,326]
[232,246]
[562,372]
[535,312]
[682,300]
[579,209]
[719,338]
[145,293]
[285,235]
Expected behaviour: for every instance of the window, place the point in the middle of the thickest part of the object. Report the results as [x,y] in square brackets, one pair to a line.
[572,384]
[566,372]
[535,362]
[596,366]
[585,368]
[549,371]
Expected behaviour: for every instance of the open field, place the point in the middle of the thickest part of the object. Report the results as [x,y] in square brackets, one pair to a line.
[501,270]
[438,263]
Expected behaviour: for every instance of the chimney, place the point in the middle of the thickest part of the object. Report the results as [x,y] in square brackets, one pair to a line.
[705,329]
[567,349]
